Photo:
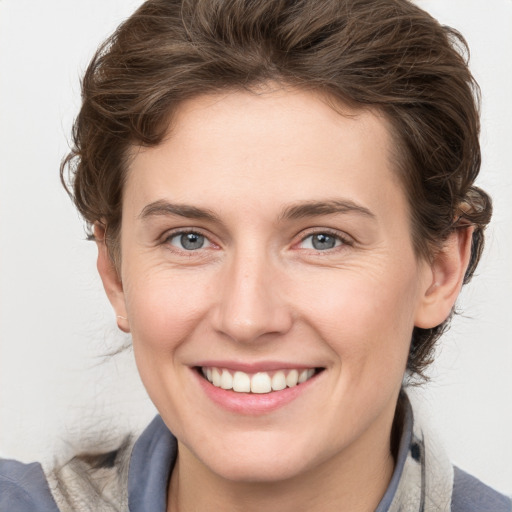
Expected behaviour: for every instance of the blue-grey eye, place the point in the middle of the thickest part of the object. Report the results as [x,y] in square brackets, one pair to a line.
[189,241]
[321,242]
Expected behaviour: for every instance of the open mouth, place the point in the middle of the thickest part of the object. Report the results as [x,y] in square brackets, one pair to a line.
[260,382]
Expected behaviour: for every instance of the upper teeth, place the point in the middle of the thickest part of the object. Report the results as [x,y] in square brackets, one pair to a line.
[261,382]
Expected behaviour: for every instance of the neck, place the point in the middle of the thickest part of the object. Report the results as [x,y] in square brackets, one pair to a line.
[353,481]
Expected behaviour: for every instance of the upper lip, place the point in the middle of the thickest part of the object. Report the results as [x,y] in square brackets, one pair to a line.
[255,367]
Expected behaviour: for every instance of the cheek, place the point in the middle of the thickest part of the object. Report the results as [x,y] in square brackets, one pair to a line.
[165,310]
[164,307]
[367,319]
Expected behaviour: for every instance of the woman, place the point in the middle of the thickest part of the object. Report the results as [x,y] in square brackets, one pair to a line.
[282,195]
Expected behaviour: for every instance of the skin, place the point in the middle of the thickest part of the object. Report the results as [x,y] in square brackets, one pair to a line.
[258,291]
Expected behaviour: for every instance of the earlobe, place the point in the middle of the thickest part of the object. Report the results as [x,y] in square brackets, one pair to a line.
[111,280]
[446,275]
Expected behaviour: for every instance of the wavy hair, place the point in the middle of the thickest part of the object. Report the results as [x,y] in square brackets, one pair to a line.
[387,55]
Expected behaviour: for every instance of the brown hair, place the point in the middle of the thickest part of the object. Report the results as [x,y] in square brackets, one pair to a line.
[384,54]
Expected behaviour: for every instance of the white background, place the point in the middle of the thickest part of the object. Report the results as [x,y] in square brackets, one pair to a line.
[57,391]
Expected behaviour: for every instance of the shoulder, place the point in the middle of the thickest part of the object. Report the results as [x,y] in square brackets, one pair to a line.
[93,482]
[132,476]
[88,483]
[24,488]
[471,495]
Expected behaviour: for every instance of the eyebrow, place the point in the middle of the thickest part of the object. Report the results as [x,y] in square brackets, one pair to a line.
[329,207]
[296,211]
[164,208]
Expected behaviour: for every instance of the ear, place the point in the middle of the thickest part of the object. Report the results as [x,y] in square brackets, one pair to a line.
[111,279]
[445,276]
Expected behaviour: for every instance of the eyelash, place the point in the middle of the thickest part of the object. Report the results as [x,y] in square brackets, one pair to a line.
[343,240]
[168,237]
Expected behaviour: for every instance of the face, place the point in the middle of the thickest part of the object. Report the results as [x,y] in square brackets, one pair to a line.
[267,238]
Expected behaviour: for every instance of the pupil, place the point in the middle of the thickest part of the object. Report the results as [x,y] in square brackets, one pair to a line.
[191,241]
[323,241]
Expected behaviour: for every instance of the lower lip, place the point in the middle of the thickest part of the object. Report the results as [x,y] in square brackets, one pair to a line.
[252,403]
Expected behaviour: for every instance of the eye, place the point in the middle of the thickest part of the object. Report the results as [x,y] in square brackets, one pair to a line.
[321,241]
[190,241]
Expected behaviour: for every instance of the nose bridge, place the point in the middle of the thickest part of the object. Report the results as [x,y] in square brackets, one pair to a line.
[251,303]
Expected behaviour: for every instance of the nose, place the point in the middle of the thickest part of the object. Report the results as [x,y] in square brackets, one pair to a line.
[251,304]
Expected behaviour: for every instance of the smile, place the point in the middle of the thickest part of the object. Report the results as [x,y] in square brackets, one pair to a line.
[260,382]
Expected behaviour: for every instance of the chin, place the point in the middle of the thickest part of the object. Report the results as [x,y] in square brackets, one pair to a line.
[257,470]
[259,457]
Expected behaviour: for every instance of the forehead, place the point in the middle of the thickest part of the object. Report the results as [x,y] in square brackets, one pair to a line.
[266,149]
